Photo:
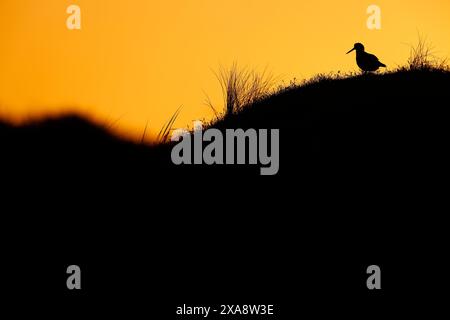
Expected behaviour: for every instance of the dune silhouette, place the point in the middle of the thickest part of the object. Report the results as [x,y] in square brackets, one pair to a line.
[340,114]
[358,156]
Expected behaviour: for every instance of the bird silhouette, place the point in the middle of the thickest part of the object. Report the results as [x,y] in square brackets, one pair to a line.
[366,61]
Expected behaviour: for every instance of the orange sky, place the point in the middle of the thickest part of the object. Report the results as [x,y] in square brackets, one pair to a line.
[135,61]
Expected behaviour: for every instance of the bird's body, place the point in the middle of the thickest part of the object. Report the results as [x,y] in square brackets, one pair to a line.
[366,61]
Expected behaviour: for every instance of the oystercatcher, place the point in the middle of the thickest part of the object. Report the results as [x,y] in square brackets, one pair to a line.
[366,61]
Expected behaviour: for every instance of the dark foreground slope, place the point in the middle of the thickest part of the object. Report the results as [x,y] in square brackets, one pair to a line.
[362,164]
[370,130]
[374,113]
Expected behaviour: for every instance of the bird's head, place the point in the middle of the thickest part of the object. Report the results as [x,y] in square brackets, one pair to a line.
[358,47]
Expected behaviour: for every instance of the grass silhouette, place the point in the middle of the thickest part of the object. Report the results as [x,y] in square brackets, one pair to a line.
[241,87]
[422,58]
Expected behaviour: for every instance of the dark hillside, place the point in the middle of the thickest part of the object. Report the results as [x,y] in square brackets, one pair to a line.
[362,162]
[363,134]
[347,118]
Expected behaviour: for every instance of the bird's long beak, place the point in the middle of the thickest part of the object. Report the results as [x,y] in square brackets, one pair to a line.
[350,51]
